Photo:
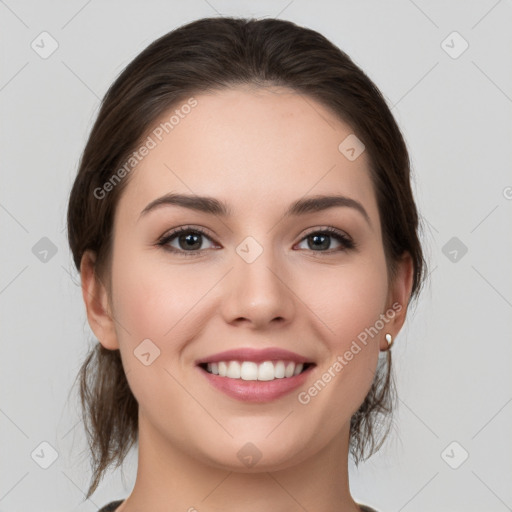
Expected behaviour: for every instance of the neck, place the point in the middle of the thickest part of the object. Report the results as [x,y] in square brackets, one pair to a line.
[169,479]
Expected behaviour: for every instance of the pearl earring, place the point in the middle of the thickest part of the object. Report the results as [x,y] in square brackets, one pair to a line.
[389,339]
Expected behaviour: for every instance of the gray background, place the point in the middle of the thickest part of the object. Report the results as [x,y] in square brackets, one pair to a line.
[452,359]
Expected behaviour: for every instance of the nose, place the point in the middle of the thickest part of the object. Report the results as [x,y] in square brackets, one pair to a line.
[258,293]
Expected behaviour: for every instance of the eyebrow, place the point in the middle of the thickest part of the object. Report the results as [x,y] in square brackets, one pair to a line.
[213,206]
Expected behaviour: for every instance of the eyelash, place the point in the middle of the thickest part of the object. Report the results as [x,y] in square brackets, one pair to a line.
[345,241]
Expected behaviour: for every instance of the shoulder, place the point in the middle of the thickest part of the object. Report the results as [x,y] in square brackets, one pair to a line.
[111,506]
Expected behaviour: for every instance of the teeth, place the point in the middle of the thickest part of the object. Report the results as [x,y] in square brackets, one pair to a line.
[248,370]
[223,369]
[298,369]
[233,370]
[279,370]
[266,371]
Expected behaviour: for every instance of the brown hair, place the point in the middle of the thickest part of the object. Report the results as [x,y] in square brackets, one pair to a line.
[213,54]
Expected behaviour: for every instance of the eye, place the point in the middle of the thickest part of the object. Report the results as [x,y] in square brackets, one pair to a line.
[321,239]
[189,241]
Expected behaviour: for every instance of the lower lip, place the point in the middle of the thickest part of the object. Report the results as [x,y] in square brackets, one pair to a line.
[256,390]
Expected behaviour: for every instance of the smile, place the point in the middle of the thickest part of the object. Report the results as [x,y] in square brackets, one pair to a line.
[250,370]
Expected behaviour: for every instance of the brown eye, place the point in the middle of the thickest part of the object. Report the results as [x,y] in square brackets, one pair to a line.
[189,241]
[321,241]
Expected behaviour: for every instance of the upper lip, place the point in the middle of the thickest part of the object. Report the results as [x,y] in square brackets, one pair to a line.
[255,355]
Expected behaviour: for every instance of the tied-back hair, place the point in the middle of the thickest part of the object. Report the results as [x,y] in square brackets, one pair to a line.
[213,54]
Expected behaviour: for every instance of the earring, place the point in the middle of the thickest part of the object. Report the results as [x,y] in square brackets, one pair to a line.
[390,340]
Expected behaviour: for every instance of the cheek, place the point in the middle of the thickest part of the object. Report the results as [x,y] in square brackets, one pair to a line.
[152,299]
[349,303]
[349,300]
[169,305]
[166,304]
[154,302]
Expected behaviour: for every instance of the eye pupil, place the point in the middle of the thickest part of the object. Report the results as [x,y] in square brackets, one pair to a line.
[188,238]
[324,245]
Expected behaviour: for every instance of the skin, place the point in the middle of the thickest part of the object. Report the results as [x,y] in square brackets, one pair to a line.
[258,150]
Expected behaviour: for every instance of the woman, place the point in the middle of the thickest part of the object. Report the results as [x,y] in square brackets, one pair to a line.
[247,239]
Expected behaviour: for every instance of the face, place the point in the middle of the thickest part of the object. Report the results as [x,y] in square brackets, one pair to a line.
[254,277]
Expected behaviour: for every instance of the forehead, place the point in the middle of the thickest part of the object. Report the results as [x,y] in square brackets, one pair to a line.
[251,147]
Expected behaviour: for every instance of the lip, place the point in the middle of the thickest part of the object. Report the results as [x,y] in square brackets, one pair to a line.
[255,355]
[255,390]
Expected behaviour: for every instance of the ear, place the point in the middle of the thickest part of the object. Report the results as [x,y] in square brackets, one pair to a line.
[96,302]
[398,296]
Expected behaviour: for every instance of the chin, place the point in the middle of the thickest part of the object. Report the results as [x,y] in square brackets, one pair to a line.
[255,454]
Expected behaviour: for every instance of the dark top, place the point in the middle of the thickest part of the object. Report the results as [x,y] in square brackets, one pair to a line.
[111,506]
[114,504]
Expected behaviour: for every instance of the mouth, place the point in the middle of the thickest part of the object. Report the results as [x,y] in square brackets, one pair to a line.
[253,371]
[255,375]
